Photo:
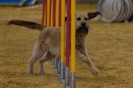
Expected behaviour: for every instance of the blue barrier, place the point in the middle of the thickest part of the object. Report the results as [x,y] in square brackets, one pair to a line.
[9,2]
[17,2]
[30,2]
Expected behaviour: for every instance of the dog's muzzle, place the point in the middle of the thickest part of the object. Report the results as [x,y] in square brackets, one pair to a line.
[83,29]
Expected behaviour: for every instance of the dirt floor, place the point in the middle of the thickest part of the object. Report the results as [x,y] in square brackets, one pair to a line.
[110,47]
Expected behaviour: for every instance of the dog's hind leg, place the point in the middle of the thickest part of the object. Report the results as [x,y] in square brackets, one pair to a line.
[47,56]
[36,55]
[41,61]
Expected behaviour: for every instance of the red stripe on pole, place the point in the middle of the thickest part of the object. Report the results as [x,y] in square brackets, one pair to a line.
[60,12]
[68,32]
[50,13]
[54,12]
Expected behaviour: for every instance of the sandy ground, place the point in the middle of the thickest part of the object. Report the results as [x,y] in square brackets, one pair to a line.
[109,46]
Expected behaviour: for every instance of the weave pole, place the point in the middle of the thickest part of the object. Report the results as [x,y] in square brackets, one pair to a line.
[68,27]
[54,11]
[44,13]
[54,15]
[48,13]
[62,76]
[73,42]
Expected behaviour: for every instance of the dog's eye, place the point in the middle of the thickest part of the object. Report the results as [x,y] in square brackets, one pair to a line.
[85,19]
[78,19]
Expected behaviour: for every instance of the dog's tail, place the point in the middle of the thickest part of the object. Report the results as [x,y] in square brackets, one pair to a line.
[28,24]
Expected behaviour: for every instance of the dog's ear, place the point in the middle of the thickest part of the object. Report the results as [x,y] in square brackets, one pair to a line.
[92,15]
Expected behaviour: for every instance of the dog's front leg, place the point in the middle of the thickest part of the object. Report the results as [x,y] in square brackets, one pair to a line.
[91,66]
[85,59]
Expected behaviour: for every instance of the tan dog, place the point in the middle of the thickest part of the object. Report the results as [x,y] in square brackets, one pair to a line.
[47,46]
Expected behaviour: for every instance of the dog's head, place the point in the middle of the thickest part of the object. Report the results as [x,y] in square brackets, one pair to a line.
[82,21]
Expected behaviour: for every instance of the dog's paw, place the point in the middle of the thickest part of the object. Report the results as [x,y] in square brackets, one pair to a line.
[30,73]
[93,70]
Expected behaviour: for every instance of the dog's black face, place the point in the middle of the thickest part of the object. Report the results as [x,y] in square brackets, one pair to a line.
[82,23]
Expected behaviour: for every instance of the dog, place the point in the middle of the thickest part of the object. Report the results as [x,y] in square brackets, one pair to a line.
[47,46]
